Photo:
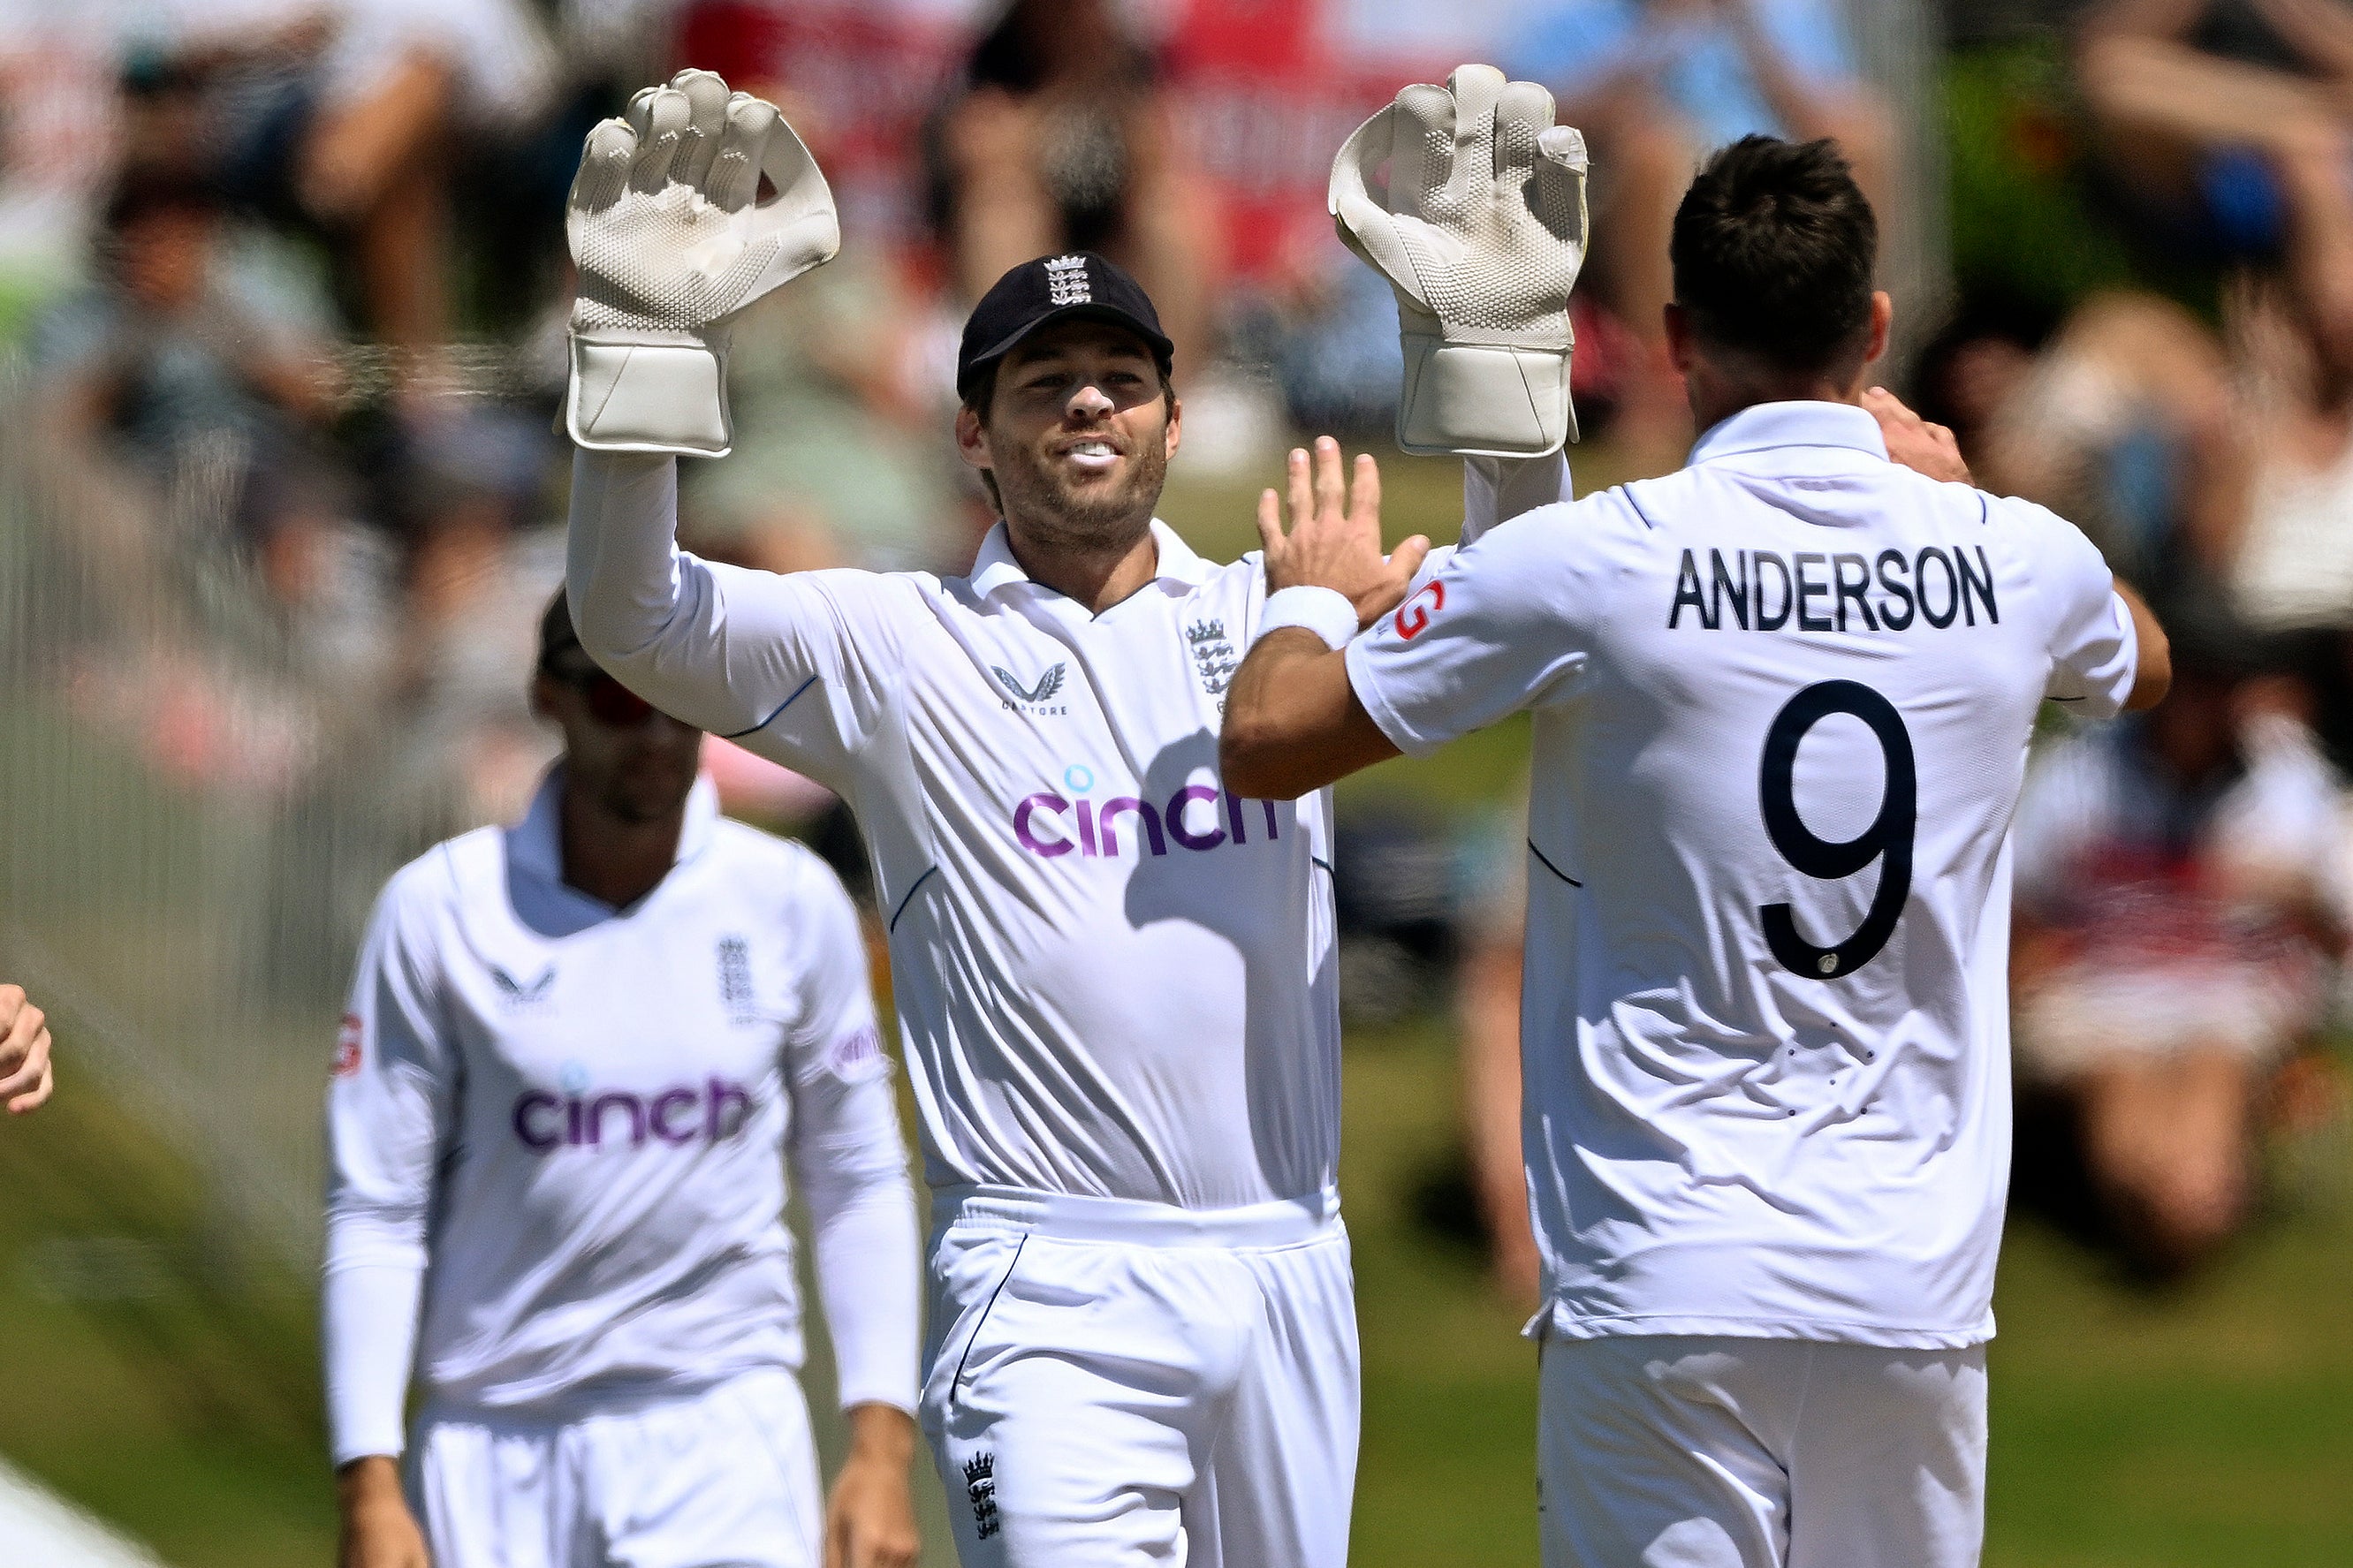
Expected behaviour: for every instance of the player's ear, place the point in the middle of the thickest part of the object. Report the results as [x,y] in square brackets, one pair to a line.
[1883,317]
[972,439]
[1679,337]
[1175,421]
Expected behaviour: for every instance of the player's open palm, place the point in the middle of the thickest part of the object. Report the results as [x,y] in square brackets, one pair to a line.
[1335,538]
[672,241]
[1470,201]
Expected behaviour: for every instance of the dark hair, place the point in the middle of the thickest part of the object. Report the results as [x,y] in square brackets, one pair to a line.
[555,633]
[1773,248]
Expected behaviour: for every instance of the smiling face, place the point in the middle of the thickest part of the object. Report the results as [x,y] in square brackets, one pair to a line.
[1079,430]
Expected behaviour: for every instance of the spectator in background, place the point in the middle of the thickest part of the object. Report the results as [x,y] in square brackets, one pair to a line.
[183,403]
[2230,126]
[2181,908]
[1655,85]
[349,116]
[1063,139]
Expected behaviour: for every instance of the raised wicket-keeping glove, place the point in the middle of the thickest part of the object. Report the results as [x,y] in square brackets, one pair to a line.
[671,244]
[1470,201]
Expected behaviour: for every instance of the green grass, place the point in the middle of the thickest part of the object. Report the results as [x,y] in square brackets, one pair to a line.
[2206,1429]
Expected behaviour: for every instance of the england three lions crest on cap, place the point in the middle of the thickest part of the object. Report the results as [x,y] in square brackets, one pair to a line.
[1066,282]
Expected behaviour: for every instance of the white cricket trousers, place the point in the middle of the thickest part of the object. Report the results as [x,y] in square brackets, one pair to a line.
[1675,1451]
[725,1477]
[1116,1384]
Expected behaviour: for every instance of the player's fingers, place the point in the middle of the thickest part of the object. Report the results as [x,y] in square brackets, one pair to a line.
[1365,494]
[1888,408]
[1523,114]
[1300,491]
[1407,559]
[1477,90]
[735,172]
[1270,523]
[1557,196]
[605,160]
[1421,146]
[706,124]
[28,1090]
[1331,489]
[25,1024]
[666,114]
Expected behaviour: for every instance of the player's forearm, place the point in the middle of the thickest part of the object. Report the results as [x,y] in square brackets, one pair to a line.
[368,1338]
[1293,724]
[652,616]
[621,560]
[1496,489]
[851,1167]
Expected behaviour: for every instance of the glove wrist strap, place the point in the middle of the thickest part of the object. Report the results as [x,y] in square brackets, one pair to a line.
[1483,400]
[634,396]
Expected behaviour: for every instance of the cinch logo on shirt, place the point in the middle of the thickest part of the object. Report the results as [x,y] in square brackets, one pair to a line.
[1049,825]
[546,1121]
[1810,592]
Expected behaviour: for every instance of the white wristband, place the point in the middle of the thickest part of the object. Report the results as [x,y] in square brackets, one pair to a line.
[1326,612]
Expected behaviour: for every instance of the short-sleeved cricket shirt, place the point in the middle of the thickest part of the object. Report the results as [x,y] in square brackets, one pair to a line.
[1781,702]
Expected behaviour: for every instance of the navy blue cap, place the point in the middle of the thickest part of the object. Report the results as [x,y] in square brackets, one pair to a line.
[1051,288]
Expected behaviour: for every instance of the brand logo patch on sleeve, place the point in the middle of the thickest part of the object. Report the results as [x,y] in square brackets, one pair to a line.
[1412,617]
[347,1045]
[856,1054]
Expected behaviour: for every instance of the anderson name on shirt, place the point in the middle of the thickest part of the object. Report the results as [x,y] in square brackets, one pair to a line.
[1811,591]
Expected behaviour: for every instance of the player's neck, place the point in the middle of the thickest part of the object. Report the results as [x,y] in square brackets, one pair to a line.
[1095,578]
[1716,398]
[610,857]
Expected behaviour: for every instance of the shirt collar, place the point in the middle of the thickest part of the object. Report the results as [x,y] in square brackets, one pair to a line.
[535,844]
[1764,425]
[995,567]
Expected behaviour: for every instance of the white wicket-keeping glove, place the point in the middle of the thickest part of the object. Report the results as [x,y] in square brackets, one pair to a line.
[1470,201]
[671,245]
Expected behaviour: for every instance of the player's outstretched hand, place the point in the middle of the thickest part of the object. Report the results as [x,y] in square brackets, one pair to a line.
[1470,201]
[672,242]
[25,1076]
[870,1521]
[1913,441]
[1334,539]
[378,1530]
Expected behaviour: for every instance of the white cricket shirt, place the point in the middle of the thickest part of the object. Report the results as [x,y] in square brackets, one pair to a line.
[575,1120]
[1781,702]
[1114,978]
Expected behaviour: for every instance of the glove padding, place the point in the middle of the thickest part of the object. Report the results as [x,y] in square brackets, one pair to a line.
[671,245]
[1478,225]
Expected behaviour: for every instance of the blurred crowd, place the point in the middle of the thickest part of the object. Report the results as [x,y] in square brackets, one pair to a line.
[283,288]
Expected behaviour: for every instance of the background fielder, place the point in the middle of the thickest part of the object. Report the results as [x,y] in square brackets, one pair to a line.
[1782,702]
[578,1053]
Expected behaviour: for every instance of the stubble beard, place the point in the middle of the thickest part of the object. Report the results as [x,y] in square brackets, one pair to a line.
[1052,517]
